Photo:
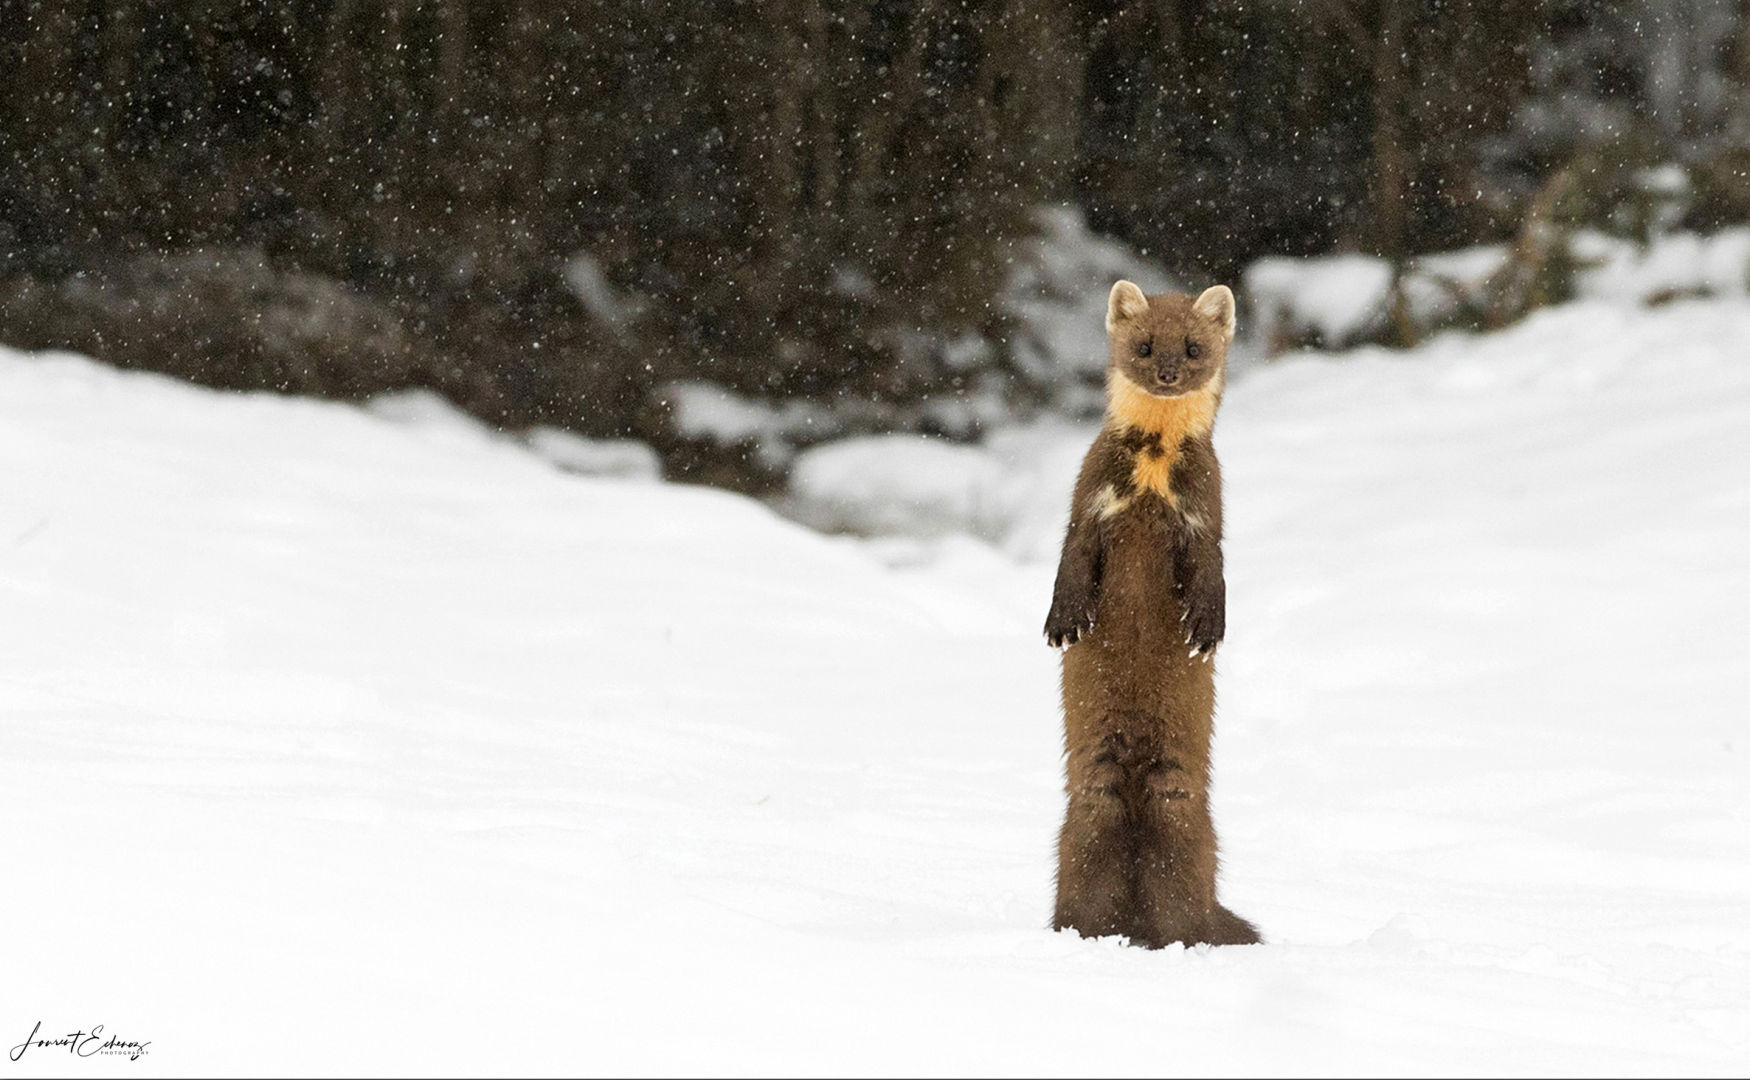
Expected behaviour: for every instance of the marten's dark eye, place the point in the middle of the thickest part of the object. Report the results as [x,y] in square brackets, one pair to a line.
[1143,348]
[1193,350]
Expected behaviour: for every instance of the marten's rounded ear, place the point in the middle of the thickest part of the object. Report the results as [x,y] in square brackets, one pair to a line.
[1217,302]
[1125,303]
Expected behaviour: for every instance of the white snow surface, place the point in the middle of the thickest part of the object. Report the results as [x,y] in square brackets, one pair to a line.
[344,742]
[1337,296]
[899,484]
[1672,265]
[626,459]
[1344,298]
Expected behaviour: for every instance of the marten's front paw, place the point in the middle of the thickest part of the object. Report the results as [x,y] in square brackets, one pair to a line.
[1205,626]
[1068,623]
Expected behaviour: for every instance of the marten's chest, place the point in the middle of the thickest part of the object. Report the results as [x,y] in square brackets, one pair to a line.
[1153,486]
[1145,464]
[1139,480]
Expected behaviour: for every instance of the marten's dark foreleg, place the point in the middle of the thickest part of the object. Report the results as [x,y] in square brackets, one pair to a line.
[1076,595]
[1198,579]
[1201,587]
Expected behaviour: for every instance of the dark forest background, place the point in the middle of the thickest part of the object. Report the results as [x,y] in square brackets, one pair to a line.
[547,210]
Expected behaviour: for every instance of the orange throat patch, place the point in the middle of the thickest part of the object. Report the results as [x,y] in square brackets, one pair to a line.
[1172,419]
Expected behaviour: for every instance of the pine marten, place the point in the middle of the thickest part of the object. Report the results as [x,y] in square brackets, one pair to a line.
[1139,606]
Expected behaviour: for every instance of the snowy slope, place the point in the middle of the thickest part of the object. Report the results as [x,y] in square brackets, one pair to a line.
[345,741]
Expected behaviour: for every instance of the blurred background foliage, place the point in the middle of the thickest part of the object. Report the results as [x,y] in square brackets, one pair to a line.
[548,211]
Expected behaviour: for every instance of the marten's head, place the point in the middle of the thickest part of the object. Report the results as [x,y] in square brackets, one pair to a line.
[1170,344]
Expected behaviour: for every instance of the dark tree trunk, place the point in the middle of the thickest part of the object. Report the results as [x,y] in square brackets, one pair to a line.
[1390,155]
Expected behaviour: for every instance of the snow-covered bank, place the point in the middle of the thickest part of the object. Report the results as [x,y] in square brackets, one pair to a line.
[1340,301]
[336,741]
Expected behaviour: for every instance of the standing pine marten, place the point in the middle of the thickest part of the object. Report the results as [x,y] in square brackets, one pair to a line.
[1139,607]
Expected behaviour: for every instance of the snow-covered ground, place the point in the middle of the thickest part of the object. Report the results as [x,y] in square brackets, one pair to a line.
[340,740]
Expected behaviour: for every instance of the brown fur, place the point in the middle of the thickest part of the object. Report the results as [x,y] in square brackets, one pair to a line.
[1139,607]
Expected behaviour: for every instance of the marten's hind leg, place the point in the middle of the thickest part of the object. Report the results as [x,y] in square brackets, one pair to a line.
[1176,860]
[1096,849]
[1177,865]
